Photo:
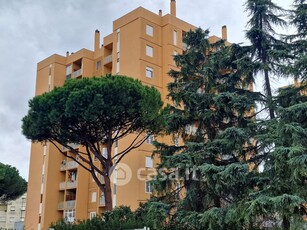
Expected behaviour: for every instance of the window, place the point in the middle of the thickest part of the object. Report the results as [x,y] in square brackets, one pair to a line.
[176,141]
[50,66]
[149,30]
[94,196]
[175,37]
[12,219]
[150,138]
[12,208]
[148,187]
[149,72]
[117,67]
[175,53]
[149,51]
[98,65]
[68,70]
[104,153]
[92,215]
[148,162]
[69,216]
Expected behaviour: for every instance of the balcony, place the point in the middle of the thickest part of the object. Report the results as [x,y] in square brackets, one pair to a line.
[72,145]
[71,204]
[71,165]
[107,59]
[77,73]
[102,201]
[71,184]
[62,185]
[63,166]
[61,205]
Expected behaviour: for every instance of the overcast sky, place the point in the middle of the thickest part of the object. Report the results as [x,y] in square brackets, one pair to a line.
[31,30]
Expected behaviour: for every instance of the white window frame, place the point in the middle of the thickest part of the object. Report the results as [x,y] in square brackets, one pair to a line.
[148,162]
[148,189]
[150,138]
[98,65]
[175,37]
[149,51]
[92,215]
[94,197]
[149,72]
[149,30]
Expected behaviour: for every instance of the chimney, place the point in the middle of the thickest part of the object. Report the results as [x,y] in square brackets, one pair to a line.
[224,32]
[97,40]
[173,7]
[160,13]
[67,53]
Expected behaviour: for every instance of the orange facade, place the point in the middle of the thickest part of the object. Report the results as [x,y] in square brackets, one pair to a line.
[142,46]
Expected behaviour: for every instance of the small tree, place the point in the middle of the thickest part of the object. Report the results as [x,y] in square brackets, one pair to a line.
[11,184]
[95,113]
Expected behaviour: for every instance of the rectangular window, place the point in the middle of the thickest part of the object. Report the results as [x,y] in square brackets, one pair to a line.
[98,65]
[150,138]
[149,30]
[69,216]
[148,187]
[149,72]
[68,70]
[148,162]
[94,197]
[92,215]
[175,54]
[176,141]
[149,51]
[175,37]
[117,67]
[105,153]
[12,208]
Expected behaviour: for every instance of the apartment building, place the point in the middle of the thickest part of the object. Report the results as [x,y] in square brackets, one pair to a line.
[142,46]
[12,212]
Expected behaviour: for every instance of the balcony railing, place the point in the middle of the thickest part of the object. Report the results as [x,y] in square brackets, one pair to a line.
[62,185]
[71,165]
[72,145]
[71,184]
[107,59]
[63,166]
[61,205]
[71,204]
[102,201]
[77,73]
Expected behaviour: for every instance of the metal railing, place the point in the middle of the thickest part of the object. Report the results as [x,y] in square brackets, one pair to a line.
[71,165]
[71,204]
[71,184]
[77,73]
[102,201]
[107,59]
[61,205]
[62,185]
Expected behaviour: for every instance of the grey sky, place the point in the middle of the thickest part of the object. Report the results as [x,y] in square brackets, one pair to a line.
[31,30]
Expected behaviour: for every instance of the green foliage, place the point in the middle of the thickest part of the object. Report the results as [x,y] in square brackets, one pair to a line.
[95,113]
[84,111]
[119,218]
[11,184]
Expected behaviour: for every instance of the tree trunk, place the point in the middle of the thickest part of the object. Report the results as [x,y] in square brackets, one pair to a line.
[269,93]
[108,193]
[285,223]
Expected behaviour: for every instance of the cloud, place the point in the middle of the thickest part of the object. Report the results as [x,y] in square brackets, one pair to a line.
[32,30]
